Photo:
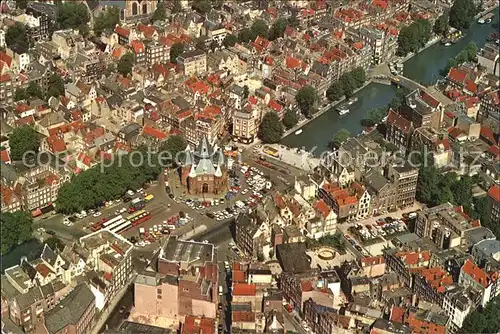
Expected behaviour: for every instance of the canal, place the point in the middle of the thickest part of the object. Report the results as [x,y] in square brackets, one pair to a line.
[30,249]
[425,68]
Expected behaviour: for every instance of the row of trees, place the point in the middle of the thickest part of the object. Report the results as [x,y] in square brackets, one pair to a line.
[466,55]
[101,183]
[270,129]
[33,90]
[346,85]
[260,28]
[306,99]
[16,229]
[414,37]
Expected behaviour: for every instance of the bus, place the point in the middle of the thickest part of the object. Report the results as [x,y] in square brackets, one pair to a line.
[124,225]
[134,220]
[105,223]
[135,214]
[115,224]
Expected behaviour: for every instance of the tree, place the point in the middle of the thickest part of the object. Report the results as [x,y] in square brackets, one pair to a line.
[55,243]
[290,119]
[471,50]
[230,40]
[407,40]
[174,145]
[270,129]
[55,86]
[462,13]
[306,98]
[20,94]
[106,20]
[424,32]
[260,28]
[293,21]
[398,99]
[201,6]
[278,29]
[334,92]
[160,14]
[175,51]
[16,36]
[359,76]
[125,64]
[23,139]
[21,4]
[177,8]
[16,229]
[376,115]
[341,136]
[441,25]
[246,35]
[348,84]
[34,90]
[72,15]
[483,320]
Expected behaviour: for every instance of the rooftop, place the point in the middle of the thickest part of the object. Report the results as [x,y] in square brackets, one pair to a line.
[189,253]
[293,257]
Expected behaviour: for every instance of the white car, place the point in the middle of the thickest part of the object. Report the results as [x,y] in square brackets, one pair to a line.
[97,214]
[79,216]
[122,210]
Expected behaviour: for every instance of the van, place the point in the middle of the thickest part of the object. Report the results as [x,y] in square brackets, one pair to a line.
[221,291]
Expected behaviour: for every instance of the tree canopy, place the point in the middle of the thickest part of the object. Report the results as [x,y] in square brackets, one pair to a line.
[348,84]
[483,320]
[290,119]
[341,136]
[270,129]
[462,13]
[334,92]
[23,139]
[398,99]
[260,28]
[201,6]
[230,40]
[359,76]
[34,90]
[175,51]
[441,25]
[174,145]
[20,94]
[126,64]
[160,14]
[466,55]
[16,36]
[413,37]
[105,182]
[306,98]
[55,86]
[107,20]
[246,35]
[21,4]
[16,229]
[55,243]
[376,115]
[72,15]
[278,29]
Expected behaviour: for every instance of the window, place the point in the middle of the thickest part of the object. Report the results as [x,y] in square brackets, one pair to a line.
[158,291]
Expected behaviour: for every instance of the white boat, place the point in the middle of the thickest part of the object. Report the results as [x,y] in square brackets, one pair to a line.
[343,111]
[447,44]
[480,21]
[488,21]
[298,132]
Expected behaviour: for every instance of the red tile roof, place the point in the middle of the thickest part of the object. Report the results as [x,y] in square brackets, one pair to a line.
[43,269]
[306,286]
[274,105]
[488,135]
[471,86]
[397,314]
[4,156]
[252,99]
[429,99]
[239,276]
[243,316]
[244,289]
[398,121]
[4,57]
[4,78]
[322,207]
[494,193]
[371,261]
[476,273]
[122,31]
[198,325]
[150,131]
[148,31]
[56,144]
[292,63]
[413,258]
[138,46]
[456,75]
[444,144]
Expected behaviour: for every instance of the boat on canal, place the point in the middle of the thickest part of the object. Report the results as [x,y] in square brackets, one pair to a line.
[485,19]
[343,109]
[352,100]
[298,132]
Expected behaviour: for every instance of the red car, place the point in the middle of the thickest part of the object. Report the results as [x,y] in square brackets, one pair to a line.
[289,308]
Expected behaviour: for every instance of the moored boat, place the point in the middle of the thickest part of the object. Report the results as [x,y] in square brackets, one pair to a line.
[298,132]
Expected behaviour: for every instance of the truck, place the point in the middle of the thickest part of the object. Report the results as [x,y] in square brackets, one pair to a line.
[136,204]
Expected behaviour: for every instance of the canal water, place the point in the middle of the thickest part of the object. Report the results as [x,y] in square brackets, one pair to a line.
[424,67]
[30,249]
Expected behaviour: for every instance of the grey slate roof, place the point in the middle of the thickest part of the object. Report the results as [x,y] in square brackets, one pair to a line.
[293,258]
[48,255]
[70,310]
